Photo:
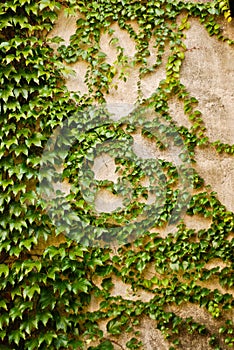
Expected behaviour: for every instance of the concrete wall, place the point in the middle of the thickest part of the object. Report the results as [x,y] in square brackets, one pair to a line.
[208,74]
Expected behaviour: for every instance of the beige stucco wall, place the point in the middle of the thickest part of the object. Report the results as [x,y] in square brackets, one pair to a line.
[208,74]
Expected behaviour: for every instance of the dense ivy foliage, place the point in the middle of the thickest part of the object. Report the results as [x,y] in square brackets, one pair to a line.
[45,298]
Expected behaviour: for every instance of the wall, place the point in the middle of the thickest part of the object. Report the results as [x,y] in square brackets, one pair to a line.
[207,73]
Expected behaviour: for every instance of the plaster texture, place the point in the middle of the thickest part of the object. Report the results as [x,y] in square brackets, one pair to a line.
[207,72]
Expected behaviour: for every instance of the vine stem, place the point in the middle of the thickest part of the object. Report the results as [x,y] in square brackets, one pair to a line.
[115,342]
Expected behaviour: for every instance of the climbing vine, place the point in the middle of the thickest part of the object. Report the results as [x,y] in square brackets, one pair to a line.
[47,295]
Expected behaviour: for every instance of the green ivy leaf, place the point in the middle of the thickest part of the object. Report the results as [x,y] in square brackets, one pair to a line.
[3,304]
[29,291]
[4,270]
[81,285]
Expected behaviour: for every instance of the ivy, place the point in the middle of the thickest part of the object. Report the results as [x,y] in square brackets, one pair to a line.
[47,294]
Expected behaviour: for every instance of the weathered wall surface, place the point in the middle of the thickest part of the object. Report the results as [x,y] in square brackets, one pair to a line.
[208,74]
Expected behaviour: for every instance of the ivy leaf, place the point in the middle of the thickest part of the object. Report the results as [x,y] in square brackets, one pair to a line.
[15,336]
[36,140]
[48,337]
[20,187]
[4,270]
[2,336]
[81,285]
[114,326]
[30,290]
[46,299]
[4,319]
[43,317]
[52,251]
[77,252]
[52,272]
[3,304]
[15,312]
[28,265]
[105,345]
[47,3]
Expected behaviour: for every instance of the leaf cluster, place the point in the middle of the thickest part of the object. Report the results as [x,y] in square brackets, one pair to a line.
[47,289]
